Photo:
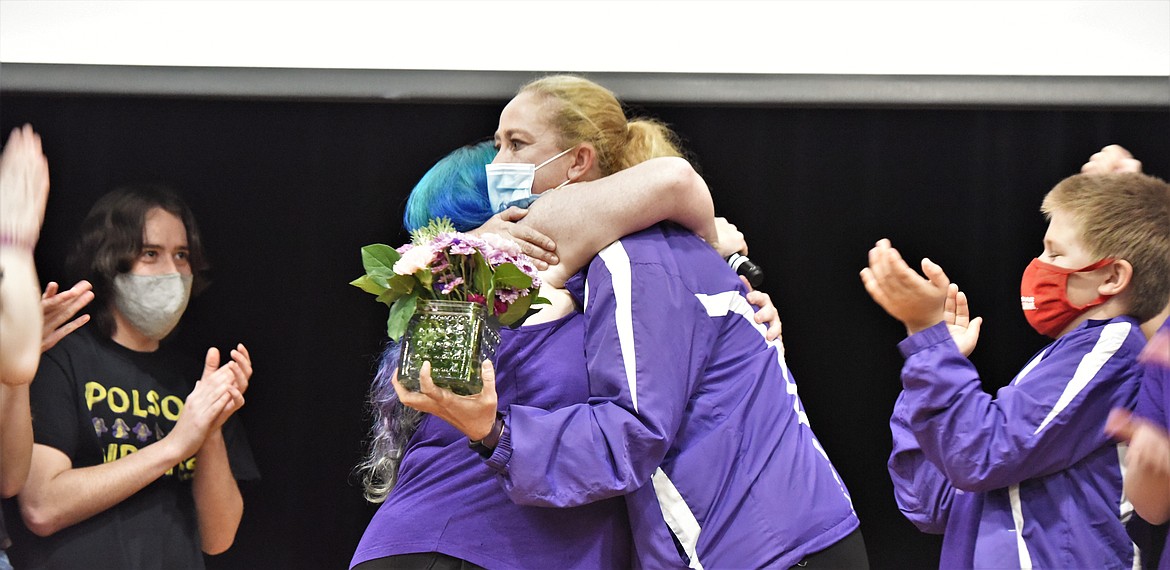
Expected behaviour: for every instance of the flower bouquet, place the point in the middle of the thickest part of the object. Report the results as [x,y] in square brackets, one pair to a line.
[448,293]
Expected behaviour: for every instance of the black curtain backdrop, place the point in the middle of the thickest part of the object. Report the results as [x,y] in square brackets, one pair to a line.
[287,192]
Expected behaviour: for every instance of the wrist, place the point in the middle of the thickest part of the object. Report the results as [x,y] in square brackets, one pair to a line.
[918,326]
[213,441]
[173,450]
[13,240]
[487,444]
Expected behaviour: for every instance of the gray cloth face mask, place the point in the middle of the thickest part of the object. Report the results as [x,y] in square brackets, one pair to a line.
[152,303]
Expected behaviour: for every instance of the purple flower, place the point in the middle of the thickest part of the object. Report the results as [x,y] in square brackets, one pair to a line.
[508,296]
[449,286]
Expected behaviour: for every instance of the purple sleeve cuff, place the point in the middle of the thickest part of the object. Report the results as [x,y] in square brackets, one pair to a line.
[924,339]
[503,452]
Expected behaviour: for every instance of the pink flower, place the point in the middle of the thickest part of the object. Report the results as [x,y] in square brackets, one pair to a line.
[446,288]
[414,259]
[477,298]
[502,245]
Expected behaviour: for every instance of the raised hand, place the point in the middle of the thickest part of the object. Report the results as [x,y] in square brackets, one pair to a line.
[207,406]
[24,183]
[1112,158]
[242,374]
[58,308]
[236,374]
[917,302]
[533,243]
[472,415]
[957,314]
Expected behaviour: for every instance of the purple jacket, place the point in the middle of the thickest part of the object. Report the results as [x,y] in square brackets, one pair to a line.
[1026,479]
[1154,404]
[693,416]
[446,500]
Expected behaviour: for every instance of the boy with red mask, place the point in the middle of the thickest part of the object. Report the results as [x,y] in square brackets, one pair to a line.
[1029,478]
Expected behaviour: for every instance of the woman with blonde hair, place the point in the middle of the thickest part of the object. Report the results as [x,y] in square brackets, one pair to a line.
[441,504]
[692,415]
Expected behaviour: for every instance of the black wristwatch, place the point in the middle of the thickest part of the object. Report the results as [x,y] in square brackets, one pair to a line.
[486,446]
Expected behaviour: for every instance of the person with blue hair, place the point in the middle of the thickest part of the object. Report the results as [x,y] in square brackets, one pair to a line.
[691,414]
[454,188]
[440,503]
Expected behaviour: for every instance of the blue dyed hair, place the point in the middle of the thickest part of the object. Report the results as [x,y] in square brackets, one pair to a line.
[454,188]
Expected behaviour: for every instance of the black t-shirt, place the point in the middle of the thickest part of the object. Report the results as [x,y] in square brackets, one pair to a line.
[97,401]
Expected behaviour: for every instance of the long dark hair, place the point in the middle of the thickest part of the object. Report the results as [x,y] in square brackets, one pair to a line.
[111,240]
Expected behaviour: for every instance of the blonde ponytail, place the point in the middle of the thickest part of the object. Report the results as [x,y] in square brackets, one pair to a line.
[648,138]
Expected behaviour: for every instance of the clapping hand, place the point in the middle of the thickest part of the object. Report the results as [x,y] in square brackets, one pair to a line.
[215,397]
[917,302]
[957,314]
[58,308]
[237,373]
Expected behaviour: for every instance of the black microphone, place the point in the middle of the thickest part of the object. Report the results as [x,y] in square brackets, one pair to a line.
[747,268]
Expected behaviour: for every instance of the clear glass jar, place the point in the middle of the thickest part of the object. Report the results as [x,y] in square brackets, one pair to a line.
[455,337]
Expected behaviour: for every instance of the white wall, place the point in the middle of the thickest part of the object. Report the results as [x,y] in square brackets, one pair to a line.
[1045,38]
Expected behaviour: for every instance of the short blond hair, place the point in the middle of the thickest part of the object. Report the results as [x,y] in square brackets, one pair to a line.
[1123,216]
[584,111]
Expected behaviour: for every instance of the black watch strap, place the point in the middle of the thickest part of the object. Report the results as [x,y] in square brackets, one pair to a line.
[486,446]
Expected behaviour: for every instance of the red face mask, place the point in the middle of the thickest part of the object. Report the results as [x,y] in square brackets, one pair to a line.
[1044,296]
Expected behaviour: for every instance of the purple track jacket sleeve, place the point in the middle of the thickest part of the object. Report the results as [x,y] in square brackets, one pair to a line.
[647,340]
[1047,419]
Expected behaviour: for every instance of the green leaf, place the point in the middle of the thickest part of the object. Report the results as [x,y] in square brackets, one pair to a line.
[510,276]
[379,259]
[368,284]
[400,313]
[516,310]
[425,277]
[389,296]
[482,275]
[402,284]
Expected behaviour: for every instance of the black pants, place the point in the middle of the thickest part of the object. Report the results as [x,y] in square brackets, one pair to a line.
[847,554]
[418,561]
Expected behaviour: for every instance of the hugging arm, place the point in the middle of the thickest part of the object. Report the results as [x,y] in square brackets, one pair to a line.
[643,371]
[584,218]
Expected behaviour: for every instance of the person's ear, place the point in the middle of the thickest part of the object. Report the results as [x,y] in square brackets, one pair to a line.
[584,159]
[1118,278]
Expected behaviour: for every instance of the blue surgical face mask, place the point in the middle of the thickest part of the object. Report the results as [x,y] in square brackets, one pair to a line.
[510,183]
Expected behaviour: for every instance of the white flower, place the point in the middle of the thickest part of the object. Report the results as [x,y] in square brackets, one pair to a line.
[418,257]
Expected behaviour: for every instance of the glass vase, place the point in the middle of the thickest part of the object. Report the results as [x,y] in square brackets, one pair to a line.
[455,337]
